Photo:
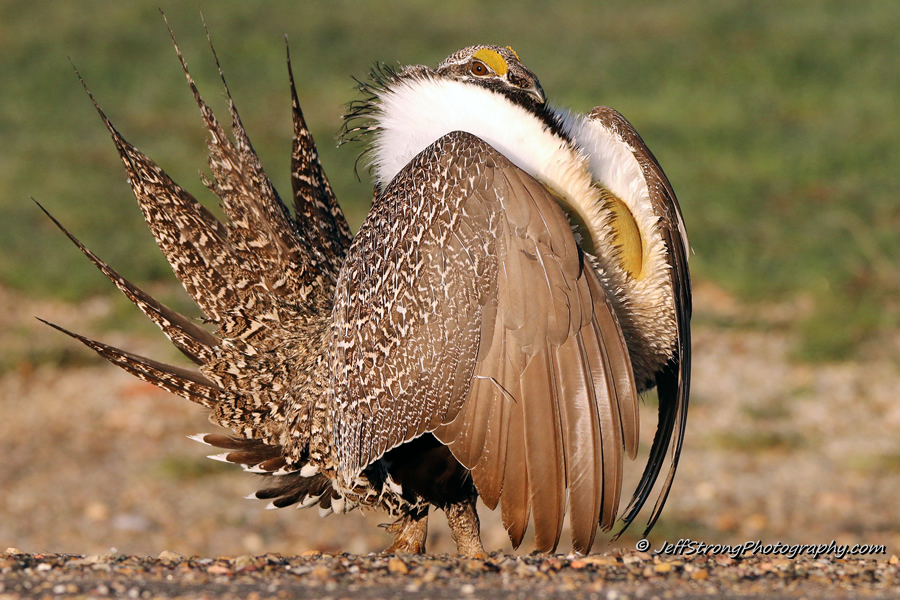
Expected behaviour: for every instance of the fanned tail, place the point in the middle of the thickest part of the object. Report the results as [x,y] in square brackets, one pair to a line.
[263,278]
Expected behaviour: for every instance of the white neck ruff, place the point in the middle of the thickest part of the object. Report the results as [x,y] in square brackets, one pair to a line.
[414,113]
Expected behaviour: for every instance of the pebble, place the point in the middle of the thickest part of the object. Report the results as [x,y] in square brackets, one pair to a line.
[396,565]
[616,575]
[321,572]
[218,570]
[168,556]
[700,575]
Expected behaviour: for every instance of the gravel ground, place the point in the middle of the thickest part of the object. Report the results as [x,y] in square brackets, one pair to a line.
[613,576]
[97,464]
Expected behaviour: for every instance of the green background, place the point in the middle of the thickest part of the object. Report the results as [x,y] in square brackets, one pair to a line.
[776,122]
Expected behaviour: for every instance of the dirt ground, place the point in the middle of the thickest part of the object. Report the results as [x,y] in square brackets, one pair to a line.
[616,576]
[96,463]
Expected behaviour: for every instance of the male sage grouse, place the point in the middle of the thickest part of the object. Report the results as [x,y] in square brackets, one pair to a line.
[522,276]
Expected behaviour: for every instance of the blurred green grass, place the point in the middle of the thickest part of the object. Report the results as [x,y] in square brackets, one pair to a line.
[777,124]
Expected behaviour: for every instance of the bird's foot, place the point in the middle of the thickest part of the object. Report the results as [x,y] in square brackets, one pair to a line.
[466,529]
[409,533]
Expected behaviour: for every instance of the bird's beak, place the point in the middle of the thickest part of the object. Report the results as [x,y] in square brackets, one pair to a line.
[537,92]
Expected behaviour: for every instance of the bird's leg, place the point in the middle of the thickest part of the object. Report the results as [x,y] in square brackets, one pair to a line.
[409,533]
[465,528]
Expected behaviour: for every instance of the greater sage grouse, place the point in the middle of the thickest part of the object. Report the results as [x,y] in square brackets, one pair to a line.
[521,278]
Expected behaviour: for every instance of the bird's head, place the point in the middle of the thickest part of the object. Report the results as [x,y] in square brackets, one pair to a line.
[497,68]
[484,90]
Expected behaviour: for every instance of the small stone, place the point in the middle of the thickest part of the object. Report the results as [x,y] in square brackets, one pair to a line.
[396,565]
[662,568]
[700,575]
[218,570]
[169,556]
[893,560]
[473,567]
[321,572]
[635,558]
[311,553]
[467,589]
[578,564]
[507,565]
[525,570]
[604,561]
[17,551]
[245,563]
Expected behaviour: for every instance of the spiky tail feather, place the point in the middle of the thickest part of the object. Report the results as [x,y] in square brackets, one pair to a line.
[262,279]
[187,384]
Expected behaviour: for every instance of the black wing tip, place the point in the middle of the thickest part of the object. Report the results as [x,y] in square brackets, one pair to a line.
[671,435]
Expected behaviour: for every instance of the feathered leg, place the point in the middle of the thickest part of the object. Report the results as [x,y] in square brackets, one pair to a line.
[465,528]
[409,533]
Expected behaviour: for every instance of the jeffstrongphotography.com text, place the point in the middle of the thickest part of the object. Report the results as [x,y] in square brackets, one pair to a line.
[689,547]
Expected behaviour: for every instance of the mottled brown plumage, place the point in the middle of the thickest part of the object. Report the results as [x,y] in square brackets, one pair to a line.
[463,344]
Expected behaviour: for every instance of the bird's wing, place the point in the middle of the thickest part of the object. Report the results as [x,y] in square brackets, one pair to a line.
[466,308]
[673,382]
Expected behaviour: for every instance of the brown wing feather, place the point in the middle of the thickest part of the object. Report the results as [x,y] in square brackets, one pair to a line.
[673,382]
[545,456]
[515,507]
[465,295]
[581,434]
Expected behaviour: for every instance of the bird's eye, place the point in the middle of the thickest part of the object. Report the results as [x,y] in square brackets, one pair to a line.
[479,69]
